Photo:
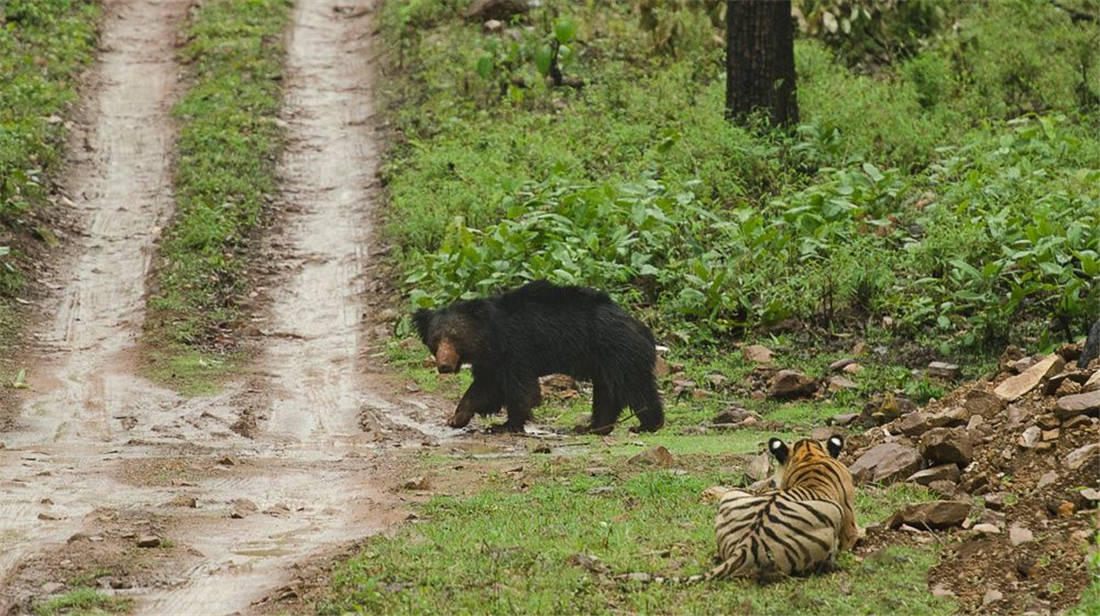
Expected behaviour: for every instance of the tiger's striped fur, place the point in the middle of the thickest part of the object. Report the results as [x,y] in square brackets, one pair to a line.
[798,528]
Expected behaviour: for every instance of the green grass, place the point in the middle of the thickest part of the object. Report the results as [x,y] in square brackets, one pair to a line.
[507,549]
[44,45]
[84,602]
[224,179]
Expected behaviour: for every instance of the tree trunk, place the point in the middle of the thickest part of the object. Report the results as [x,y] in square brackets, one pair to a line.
[760,59]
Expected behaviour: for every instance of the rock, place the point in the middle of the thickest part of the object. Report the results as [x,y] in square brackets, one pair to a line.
[946,488]
[919,422]
[50,588]
[1030,437]
[852,368]
[1090,494]
[500,10]
[493,25]
[841,364]
[886,463]
[943,472]
[242,507]
[941,592]
[977,425]
[983,403]
[759,467]
[1018,535]
[148,541]
[47,516]
[991,596]
[843,419]
[943,370]
[1054,382]
[416,483]
[788,384]
[1069,351]
[732,415]
[78,537]
[1080,420]
[756,353]
[1009,356]
[657,456]
[1021,365]
[1047,479]
[998,500]
[940,445]
[1077,458]
[1051,435]
[839,383]
[976,484]
[934,516]
[1068,388]
[558,382]
[1047,421]
[601,490]
[824,433]
[885,408]
[1077,404]
[1015,386]
[1092,384]
[227,461]
[717,381]
[181,500]
[1015,416]
[661,369]
[636,576]
[987,529]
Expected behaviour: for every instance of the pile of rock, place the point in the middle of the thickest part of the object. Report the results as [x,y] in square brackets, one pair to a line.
[1016,460]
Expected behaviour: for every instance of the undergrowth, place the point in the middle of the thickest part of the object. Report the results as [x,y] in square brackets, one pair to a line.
[948,193]
[224,177]
[44,45]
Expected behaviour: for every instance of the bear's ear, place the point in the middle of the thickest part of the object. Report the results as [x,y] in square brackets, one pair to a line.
[834,445]
[778,449]
[423,320]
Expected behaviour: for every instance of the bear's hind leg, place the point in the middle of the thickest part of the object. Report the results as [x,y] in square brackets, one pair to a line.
[646,404]
[605,408]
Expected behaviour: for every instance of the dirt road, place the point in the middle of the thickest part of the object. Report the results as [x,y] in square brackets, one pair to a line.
[229,491]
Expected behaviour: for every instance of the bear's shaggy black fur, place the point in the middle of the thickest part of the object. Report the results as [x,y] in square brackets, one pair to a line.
[538,329]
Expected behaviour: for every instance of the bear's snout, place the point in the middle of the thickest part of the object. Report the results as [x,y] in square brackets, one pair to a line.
[446,357]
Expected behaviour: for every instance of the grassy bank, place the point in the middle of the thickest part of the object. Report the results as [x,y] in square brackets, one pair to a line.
[552,535]
[224,178]
[84,601]
[947,194]
[44,45]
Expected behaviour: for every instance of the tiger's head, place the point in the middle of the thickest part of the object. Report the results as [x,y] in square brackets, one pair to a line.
[807,454]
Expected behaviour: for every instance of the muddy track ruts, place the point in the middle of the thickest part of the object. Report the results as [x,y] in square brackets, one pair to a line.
[101,458]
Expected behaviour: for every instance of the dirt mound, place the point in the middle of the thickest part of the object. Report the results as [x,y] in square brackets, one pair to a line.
[1027,448]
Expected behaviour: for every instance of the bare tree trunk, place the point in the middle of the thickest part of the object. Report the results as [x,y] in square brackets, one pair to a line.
[760,59]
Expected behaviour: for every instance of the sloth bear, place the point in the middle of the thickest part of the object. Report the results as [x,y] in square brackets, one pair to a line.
[538,329]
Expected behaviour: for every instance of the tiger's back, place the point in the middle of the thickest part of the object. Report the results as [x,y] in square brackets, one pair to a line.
[798,528]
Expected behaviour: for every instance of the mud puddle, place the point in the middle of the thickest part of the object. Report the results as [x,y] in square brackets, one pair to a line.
[205,505]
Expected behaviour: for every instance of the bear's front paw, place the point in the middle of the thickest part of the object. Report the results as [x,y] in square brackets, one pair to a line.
[460,420]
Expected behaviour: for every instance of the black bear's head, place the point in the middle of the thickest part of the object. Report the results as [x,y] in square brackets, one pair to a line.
[454,334]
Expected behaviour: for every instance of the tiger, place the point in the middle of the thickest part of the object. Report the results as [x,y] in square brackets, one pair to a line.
[796,529]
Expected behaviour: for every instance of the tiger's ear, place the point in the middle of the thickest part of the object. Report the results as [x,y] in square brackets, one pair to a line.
[778,449]
[834,445]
